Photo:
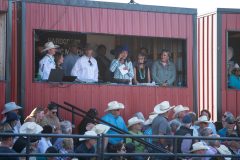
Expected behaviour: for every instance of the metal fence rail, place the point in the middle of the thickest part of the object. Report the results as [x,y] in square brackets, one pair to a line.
[101,154]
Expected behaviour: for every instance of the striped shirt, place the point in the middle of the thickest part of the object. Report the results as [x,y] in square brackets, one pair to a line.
[114,67]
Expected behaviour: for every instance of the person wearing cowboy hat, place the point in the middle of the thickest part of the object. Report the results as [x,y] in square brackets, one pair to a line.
[87,145]
[160,125]
[72,57]
[101,129]
[234,78]
[12,107]
[202,123]
[208,114]
[199,148]
[86,68]
[180,112]
[135,127]
[21,143]
[47,62]
[113,117]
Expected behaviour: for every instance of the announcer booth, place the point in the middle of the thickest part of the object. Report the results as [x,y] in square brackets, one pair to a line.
[218,51]
[111,24]
[4,17]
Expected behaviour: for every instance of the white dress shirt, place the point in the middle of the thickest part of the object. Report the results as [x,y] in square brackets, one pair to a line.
[45,65]
[43,145]
[86,69]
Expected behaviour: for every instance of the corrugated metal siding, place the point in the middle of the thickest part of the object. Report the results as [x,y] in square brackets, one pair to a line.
[64,18]
[207,63]
[14,56]
[2,94]
[230,98]
[3,5]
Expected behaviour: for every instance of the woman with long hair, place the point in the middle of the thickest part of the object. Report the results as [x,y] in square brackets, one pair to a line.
[36,115]
[141,71]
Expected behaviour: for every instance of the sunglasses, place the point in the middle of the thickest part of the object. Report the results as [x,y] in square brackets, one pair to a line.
[116,109]
[90,63]
[54,112]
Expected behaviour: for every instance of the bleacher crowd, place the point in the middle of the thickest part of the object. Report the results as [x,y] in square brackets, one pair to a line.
[182,123]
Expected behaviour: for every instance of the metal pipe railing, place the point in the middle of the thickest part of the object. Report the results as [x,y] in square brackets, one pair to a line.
[100,154]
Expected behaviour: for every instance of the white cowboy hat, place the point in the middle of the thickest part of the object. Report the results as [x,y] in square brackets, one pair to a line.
[100,129]
[236,66]
[178,109]
[224,150]
[134,120]
[202,119]
[88,133]
[162,107]
[49,45]
[198,146]
[150,119]
[114,105]
[10,107]
[30,128]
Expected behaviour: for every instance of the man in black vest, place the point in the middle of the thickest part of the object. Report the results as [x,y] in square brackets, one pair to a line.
[184,145]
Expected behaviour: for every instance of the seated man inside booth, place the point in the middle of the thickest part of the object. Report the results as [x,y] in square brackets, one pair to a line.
[163,70]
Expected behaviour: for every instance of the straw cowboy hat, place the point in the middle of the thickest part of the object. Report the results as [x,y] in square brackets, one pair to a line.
[49,45]
[100,129]
[114,105]
[134,120]
[30,128]
[11,106]
[150,119]
[198,146]
[178,109]
[162,107]
[203,119]
[88,133]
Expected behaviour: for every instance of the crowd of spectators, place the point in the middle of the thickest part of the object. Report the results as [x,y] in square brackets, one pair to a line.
[164,120]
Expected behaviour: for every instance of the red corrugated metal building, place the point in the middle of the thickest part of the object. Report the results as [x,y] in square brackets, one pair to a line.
[107,18]
[214,93]
[3,26]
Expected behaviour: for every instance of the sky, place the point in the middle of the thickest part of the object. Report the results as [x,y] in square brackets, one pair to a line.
[203,6]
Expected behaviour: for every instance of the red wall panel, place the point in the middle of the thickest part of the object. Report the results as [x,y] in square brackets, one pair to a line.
[108,21]
[230,97]
[2,94]
[3,5]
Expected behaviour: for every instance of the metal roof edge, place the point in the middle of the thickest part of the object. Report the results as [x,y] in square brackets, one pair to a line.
[228,10]
[119,6]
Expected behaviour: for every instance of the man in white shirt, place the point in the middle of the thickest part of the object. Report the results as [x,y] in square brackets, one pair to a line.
[47,62]
[86,68]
